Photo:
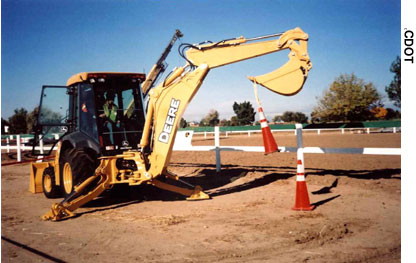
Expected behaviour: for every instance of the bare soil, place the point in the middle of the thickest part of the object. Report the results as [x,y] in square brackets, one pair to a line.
[249,218]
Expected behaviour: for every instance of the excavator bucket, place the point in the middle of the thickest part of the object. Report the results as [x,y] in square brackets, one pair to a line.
[286,80]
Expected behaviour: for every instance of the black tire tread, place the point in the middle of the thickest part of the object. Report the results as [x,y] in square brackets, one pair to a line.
[82,165]
[55,191]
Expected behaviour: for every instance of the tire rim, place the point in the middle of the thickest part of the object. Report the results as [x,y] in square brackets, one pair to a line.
[47,183]
[67,176]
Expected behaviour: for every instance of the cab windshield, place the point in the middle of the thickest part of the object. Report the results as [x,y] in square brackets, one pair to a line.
[119,113]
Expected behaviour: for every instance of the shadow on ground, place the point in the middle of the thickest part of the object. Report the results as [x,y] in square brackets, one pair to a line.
[393,173]
[215,184]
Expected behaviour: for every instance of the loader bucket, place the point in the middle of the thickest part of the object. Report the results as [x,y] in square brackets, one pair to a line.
[36,173]
[286,80]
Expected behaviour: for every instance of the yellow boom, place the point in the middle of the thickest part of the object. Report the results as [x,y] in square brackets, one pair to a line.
[168,101]
[287,80]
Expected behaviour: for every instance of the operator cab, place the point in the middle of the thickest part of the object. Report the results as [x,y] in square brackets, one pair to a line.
[103,112]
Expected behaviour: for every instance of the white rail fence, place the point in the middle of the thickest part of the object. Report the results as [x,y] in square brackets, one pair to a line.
[183,142]
[184,138]
[317,131]
[21,145]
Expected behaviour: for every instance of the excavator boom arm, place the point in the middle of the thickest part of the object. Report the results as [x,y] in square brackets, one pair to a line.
[287,80]
[169,100]
[225,54]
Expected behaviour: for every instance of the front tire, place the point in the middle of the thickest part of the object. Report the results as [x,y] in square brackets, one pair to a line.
[50,189]
[76,166]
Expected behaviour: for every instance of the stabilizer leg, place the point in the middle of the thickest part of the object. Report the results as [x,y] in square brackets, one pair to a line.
[195,194]
[64,209]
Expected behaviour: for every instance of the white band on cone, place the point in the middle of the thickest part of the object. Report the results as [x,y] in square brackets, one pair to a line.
[300,178]
[264,124]
[261,115]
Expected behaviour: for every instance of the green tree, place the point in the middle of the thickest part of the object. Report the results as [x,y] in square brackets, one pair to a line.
[277,118]
[48,116]
[202,123]
[290,116]
[347,99]
[225,122]
[300,117]
[244,112]
[392,114]
[234,121]
[394,89]
[183,123]
[211,119]
[31,119]
[18,122]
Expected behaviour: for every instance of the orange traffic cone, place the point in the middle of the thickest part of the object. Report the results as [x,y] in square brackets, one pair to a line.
[270,145]
[302,198]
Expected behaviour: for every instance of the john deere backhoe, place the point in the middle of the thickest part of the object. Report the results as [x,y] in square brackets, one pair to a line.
[108,136]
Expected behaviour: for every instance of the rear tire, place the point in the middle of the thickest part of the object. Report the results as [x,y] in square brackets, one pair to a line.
[76,166]
[50,189]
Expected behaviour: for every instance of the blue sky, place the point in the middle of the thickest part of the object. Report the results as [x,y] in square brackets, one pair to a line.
[46,41]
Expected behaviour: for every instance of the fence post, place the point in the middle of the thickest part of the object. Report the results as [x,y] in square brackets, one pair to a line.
[394,129]
[342,131]
[299,139]
[41,144]
[217,149]
[299,142]
[7,145]
[19,149]
[205,134]
[248,133]
[368,130]
[319,131]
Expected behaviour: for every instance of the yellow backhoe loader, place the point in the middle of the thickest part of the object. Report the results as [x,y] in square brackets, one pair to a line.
[108,136]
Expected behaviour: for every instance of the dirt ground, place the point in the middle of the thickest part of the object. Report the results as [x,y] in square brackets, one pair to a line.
[249,218]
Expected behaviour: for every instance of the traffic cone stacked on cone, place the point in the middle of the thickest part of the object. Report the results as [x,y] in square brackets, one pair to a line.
[302,198]
[270,145]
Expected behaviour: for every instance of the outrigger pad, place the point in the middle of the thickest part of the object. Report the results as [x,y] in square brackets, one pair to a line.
[286,80]
[57,213]
[198,194]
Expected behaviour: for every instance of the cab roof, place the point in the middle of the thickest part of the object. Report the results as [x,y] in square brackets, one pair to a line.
[85,76]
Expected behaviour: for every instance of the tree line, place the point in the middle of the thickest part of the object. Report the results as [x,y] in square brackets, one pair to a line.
[348,98]
[20,122]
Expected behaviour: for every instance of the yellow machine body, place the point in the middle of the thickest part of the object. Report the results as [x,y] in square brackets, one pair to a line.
[37,170]
[36,174]
[168,102]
